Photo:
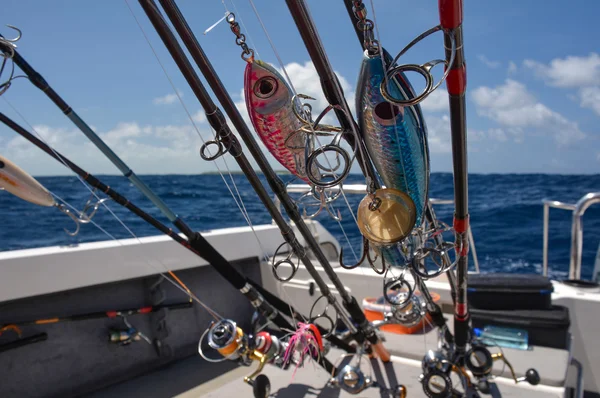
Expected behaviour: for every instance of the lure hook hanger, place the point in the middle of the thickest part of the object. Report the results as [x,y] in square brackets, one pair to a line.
[424,69]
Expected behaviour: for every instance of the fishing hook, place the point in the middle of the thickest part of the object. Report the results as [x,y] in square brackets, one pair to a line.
[424,70]
[323,200]
[73,217]
[366,254]
[83,217]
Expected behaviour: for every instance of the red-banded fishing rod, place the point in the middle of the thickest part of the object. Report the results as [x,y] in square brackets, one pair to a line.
[205,66]
[357,9]
[102,314]
[94,182]
[217,121]
[451,18]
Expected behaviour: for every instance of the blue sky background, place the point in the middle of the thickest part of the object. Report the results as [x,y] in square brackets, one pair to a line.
[533,79]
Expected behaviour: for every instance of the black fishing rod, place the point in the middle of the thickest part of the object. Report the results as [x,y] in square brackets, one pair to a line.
[279,304]
[355,9]
[331,87]
[451,18]
[202,247]
[273,179]
[230,141]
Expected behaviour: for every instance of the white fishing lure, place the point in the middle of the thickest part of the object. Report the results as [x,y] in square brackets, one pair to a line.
[18,182]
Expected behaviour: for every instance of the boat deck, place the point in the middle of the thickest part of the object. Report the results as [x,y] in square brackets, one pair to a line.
[311,380]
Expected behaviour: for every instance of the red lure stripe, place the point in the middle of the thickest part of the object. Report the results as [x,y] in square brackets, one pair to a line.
[451,13]
[111,314]
[461,225]
[456,82]
[145,310]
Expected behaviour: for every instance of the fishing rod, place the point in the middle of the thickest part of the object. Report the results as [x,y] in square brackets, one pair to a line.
[282,306]
[205,66]
[331,86]
[451,18]
[103,314]
[23,341]
[229,141]
[200,245]
[358,16]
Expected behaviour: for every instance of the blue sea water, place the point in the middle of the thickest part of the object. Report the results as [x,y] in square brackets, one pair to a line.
[506,215]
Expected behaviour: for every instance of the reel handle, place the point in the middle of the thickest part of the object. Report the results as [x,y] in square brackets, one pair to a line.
[531,376]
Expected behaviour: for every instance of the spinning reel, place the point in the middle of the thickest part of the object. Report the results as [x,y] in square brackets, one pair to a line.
[438,369]
[351,378]
[232,343]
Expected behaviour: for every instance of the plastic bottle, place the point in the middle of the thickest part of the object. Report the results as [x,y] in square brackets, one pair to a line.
[503,337]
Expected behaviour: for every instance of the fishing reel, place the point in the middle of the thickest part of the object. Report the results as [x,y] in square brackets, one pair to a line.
[441,378]
[127,335]
[233,344]
[351,378]
[404,307]
[480,361]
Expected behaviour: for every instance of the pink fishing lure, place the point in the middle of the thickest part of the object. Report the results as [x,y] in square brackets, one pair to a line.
[270,102]
[306,340]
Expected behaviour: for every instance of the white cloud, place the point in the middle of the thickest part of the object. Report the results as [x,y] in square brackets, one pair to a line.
[590,98]
[146,149]
[438,134]
[571,71]
[199,117]
[487,62]
[167,99]
[436,101]
[514,107]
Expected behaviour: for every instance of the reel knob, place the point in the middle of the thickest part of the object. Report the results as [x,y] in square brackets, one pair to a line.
[531,376]
[261,387]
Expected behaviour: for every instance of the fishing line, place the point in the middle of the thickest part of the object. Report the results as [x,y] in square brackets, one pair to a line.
[179,284]
[241,205]
[386,82]
[281,64]
[244,214]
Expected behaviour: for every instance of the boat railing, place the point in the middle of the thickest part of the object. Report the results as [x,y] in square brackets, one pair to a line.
[578,210]
[361,189]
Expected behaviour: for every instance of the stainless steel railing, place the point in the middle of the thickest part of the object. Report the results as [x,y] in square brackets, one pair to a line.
[362,189]
[578,210]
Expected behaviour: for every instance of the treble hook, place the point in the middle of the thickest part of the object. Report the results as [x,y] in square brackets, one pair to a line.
[324,201]
[366,254]
[73,217]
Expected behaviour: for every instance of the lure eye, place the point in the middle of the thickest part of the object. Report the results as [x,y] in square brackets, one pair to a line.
[265,87]
[385,113]
[1,164]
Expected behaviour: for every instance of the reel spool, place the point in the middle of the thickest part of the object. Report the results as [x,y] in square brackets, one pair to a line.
[351,378]
[228,339]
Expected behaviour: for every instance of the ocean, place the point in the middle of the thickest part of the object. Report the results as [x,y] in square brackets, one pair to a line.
[506,215]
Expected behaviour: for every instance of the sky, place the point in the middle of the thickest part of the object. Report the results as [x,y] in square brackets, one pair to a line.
[533,70]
